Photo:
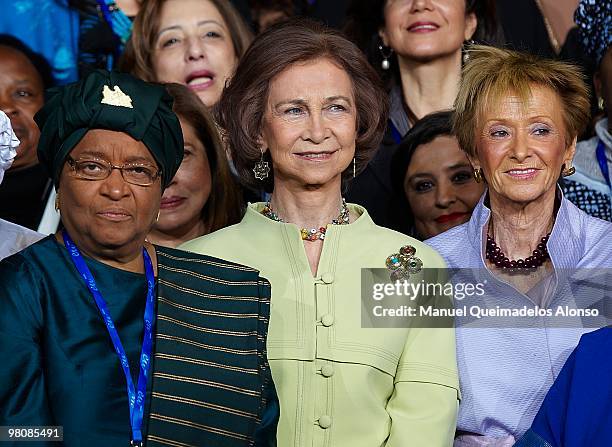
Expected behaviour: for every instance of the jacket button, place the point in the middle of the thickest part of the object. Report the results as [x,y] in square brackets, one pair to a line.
[325,421]
[327,278]
[327,370]
[327,320]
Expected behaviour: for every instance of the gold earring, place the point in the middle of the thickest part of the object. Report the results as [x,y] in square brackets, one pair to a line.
[353,167]
[157,218]
[57,204]
[600,104]
[567,172]
[478,175]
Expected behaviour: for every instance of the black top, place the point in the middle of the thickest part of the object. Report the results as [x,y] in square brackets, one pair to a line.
[23,196]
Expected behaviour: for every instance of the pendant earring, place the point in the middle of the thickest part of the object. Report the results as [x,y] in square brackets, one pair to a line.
[478,175]
[465,50]
[600,104]
[57,203]
[386,52]
[262,168]
[567,172]
[157,218]
[353,167]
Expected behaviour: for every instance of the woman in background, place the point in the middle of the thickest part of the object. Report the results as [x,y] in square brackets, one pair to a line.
[203,196]
[13,238]
[24,77]
[432,179]
[196,43]
[418,47]
[591,188]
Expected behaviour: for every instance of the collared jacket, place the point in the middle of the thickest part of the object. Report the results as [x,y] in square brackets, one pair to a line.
[340,384]
[505,372]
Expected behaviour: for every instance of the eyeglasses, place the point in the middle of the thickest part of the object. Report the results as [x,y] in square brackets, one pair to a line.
[98,169]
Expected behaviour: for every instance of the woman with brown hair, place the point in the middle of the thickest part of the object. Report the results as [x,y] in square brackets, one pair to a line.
[304,114]
[418,47]
[192,42]
[203,196]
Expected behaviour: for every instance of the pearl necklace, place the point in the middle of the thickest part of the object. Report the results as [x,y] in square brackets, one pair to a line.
[312,234]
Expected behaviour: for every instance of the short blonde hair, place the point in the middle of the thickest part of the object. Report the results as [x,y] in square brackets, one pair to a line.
[491,73]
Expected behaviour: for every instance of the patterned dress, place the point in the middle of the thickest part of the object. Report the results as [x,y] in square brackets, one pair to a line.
[587,188]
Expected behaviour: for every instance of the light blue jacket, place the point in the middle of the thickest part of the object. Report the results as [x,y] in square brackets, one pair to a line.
[505,372]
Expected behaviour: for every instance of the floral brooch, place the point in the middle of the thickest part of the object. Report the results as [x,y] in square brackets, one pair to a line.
[404,263]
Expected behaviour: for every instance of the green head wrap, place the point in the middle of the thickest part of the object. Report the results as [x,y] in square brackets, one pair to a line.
[113,101]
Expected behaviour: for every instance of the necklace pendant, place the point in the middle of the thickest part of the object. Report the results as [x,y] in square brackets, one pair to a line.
[312,234]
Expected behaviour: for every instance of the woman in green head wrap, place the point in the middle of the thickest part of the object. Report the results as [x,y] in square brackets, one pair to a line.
[104,334]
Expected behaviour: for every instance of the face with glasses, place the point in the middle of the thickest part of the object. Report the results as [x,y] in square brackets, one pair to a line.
[109,193]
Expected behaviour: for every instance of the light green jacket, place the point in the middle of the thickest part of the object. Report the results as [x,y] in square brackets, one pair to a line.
[340,384]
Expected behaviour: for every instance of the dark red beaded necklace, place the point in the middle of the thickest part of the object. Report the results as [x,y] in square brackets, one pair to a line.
[537,258]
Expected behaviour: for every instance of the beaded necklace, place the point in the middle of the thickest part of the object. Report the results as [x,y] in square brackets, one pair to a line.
[497,257]
[313,234]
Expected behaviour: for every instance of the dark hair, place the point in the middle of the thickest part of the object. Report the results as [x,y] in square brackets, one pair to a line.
[40,64]
[224,206]
[366,17]
[287,6]
[424,131]
[242,105]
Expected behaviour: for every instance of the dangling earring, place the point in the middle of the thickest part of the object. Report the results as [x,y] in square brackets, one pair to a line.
[385,65]
[600,104]
[262,168]
[567,172]
[157,218]
[478,175]
[465,50]
[57,204]
[353,167]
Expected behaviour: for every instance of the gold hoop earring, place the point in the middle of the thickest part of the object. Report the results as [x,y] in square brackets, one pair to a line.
[478,175]
[567,172]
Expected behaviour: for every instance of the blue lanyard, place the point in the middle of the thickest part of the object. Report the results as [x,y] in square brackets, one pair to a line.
[603,162]
[136,397]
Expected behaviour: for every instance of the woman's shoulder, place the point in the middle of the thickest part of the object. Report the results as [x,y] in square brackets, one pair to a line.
[227,237]
[599,342]
[451,240]
[383,239]
[36,253]
[592,229]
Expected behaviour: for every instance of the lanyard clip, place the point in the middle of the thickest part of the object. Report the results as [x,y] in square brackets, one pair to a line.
[137,443]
